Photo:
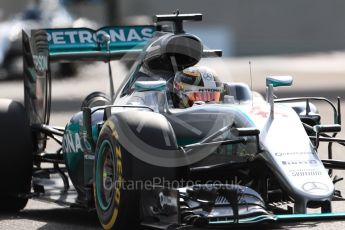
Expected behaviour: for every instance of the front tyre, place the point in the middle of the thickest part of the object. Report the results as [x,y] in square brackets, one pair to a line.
[119,177]
[117,208]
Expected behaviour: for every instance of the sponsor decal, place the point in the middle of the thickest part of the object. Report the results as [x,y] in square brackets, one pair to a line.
[71,143]
[165,200]
[299,162]
[315,187]
[89,157]
[86,36]
[292,154]
[305,172]
[264,112]
[40,62]
[259,111]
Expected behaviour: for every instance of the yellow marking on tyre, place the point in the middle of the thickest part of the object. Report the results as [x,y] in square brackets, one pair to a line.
[118,152]
[119,167]
[115,135]
[117,197]
[110,124]
[112,220]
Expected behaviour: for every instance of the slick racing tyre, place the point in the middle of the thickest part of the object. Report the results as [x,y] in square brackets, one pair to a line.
[15,156]
[116,173]
[116,208]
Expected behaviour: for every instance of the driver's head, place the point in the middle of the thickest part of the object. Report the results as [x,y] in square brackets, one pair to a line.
[195,84]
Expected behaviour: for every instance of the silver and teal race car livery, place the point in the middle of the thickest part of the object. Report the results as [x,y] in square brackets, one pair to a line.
[138,159]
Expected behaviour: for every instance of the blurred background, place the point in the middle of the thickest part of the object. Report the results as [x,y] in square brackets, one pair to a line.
[305,39]
[239,27]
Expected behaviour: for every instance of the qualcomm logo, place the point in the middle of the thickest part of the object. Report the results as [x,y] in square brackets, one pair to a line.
[84,36]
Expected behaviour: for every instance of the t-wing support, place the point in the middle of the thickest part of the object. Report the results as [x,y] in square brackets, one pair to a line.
[177,19]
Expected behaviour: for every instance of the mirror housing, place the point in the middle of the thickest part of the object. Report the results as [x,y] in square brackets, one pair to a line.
[241,132]
[248,131]
[334,128]
[318,129]
[141,86]
[277,81]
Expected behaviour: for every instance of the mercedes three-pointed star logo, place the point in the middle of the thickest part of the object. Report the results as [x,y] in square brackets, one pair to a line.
[314,186]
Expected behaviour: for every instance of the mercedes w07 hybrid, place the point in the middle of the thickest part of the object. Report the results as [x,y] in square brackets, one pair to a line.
[174,146]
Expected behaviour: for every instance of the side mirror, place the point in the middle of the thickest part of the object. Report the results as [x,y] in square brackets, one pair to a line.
[248,132]
[277,81]
[334,128]
[245,131]
[141,86]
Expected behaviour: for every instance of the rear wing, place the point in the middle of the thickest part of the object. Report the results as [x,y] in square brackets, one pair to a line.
[42,47]
[86,44]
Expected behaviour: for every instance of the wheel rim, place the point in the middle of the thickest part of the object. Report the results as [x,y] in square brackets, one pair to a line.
[105,176]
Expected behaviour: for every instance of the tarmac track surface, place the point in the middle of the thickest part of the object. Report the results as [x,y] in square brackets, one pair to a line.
[314,75]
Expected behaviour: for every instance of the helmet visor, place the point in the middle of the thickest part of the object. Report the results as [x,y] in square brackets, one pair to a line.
[205,95]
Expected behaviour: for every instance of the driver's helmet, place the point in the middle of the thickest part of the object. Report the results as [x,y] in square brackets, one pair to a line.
[196,85]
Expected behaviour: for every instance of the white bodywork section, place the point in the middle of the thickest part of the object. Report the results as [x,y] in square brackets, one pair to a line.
[287,149]
[290,154]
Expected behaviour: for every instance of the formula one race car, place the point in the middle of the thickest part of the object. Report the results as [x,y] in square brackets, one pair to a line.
[227,157]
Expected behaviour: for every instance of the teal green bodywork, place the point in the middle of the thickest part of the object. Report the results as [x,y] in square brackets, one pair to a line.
[75,147]
[122,39]
[283,218]
[73,159]
[249,220]
[141,86]
[279,81]
[310,217]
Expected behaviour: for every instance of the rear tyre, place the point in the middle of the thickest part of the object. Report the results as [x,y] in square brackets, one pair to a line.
[15,156]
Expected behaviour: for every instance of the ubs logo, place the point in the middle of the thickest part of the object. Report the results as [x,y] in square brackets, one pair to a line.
[315,187]
[40,62]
